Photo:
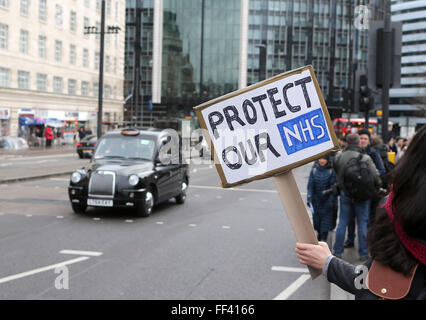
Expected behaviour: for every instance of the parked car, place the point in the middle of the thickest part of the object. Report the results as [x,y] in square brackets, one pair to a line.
[13,143]
[86,146]
[126,172]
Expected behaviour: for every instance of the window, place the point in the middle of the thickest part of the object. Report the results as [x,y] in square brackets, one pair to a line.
[58,50]
[98,29]
[107,91]
[57,84]
[98,5]
[4,3]
[95,89]
[73,21]
[4,77]
[23,80]
[58,16]
[72,86]
[4,36]
[23,41]
[86,24]
[115,64]
[42,10]
[116,10]
[107,64]
[85,58]
[41,82]
[72,54]
[84,88]
[87,3]
[108,7]
[24,7]
[97,60]
[42,46]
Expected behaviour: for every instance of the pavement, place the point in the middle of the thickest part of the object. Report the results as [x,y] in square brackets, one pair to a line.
[12,175]
[43,160]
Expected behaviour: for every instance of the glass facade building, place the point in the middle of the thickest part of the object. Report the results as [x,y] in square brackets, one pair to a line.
[202,47]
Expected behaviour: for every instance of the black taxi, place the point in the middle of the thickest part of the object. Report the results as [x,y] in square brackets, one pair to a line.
[128,170]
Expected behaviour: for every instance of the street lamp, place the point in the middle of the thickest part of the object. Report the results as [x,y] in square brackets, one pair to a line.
[102,32]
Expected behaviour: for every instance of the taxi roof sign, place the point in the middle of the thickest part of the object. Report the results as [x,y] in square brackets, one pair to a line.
[130,132]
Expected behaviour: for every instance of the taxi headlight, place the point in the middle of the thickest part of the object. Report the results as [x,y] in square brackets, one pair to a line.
[76,177]
[133,180]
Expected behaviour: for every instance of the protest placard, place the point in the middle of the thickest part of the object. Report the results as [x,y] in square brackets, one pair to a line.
[267,129]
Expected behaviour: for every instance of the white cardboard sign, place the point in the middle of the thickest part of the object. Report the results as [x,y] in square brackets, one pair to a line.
[268,128]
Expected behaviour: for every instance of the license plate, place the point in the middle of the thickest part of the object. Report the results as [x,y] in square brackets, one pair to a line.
[99,202]
[87,150]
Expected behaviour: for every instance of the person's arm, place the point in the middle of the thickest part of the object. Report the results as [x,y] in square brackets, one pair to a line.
[310,187]
[374,171]
[336,270]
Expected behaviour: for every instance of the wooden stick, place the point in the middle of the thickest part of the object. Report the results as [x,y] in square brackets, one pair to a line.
[296,212]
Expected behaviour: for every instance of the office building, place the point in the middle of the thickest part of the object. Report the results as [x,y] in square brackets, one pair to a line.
[49,69]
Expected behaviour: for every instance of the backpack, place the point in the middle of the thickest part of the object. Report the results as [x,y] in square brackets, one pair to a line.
[358,182]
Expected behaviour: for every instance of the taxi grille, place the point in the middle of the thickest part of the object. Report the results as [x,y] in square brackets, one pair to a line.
[102,183]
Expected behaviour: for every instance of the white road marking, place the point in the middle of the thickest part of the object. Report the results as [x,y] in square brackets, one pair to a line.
[159,222]
[82,253]
[260,229]
[39,270]
[6,164]
[44,161]
[21,158]
[290,269]
[128,221]
[60,217]
[192,225]
[293,287]
[97,219]
[234,189]
[226,227]
[29,215]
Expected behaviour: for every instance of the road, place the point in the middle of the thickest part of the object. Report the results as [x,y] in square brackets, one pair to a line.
[24,166]
[221,244]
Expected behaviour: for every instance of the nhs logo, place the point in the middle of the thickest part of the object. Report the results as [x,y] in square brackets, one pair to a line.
[304,131]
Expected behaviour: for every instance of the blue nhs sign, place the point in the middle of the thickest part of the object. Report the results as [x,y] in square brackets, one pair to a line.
[304,131]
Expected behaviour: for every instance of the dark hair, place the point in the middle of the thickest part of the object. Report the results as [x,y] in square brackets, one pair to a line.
[409,188]
[364,131]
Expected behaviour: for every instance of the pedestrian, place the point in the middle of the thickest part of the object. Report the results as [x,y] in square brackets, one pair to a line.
[391,145]
[399,146]
[358,180]
[364,143]
[382,149]
[322,180]
[397,239]
[48,134]
[81,133]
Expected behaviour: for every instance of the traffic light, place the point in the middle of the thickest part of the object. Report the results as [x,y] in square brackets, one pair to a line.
[365,97]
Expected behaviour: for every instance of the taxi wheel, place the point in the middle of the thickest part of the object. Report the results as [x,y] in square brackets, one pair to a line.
[180,199]
[77,208]
[145,209]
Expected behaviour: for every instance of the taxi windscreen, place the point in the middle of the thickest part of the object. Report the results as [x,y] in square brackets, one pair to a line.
[134,148]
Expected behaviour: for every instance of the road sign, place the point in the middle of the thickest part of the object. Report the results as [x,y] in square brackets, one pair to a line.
[268,128]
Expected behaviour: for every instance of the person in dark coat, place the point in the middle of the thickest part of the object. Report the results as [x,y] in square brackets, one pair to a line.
[396,239]
[322,178]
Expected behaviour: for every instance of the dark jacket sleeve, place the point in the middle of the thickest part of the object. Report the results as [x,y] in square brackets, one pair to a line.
[310,186]
[342,274]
